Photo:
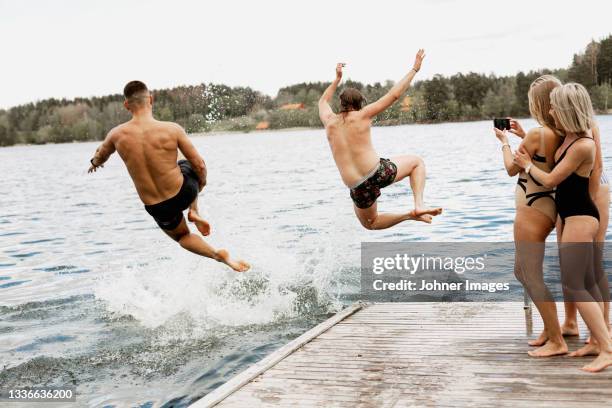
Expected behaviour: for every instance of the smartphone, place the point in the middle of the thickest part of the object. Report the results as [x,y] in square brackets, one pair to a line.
[502,123]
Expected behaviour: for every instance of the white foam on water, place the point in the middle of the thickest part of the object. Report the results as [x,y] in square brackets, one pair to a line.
[296,259]
[189,295]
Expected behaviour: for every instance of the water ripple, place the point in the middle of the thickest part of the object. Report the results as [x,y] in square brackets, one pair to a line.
[120,309]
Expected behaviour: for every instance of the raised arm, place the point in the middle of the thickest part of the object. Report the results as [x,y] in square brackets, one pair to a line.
[102,153]
[396,91]
[192,155]
[325,110]
[571,162]
[516,128]
[529,144]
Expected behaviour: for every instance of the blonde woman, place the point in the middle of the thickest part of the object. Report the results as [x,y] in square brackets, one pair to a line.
[536,212]
[599,188]
[574,160]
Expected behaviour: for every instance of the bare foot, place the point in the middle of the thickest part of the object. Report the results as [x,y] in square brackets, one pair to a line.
[600,363]
[201,224]
[570,329]
[588,350]
[540,341]
[549,349]
[418,211]
[423,218]
[238,266]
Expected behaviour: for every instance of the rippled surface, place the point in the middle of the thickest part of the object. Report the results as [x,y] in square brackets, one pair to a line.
[93,294]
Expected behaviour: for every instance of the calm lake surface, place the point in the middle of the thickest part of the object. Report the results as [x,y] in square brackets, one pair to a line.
[92,293]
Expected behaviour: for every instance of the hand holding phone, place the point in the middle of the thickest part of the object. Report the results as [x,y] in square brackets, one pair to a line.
[501,123]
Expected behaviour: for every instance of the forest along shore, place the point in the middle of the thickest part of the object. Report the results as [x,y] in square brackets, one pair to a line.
[221,108]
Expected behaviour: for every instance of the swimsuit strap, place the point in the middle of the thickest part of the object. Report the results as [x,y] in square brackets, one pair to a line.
[536,182]
[570,145]
[521,183]
[539,194]
[536,156]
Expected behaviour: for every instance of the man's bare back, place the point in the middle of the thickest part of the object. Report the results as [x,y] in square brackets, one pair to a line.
[149,149]
[351,145]
[360,167]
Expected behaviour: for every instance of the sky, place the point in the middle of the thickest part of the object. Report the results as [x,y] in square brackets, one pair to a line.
[68,48]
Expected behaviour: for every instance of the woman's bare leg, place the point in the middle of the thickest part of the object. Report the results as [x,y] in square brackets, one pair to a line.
[570,323]
[583,229]
[602,201]
[531,227]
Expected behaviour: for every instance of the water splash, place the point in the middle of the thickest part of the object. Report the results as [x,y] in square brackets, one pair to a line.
[192,295]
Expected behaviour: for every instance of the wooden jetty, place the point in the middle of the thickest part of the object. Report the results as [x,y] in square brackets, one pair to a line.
[417,355]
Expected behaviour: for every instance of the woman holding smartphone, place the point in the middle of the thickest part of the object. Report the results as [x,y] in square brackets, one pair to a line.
[572,112]
[536,212]
[599,188]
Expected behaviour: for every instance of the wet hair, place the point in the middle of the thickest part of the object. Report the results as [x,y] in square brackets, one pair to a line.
[539,99]
[573,108]
[351,100]
[135,93]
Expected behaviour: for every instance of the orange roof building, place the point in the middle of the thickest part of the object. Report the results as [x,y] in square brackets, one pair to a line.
[262,125]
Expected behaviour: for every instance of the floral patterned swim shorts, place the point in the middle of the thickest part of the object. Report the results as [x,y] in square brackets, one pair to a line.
[366,193]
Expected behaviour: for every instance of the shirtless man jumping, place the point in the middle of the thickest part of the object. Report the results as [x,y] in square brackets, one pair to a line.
[149,149]
[361,169]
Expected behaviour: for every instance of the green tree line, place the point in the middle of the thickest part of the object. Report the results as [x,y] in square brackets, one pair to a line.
[214,107]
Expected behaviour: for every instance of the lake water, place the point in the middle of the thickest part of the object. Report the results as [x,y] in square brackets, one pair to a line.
[92,293]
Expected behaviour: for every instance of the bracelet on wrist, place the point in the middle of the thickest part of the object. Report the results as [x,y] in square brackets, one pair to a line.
[528,168]
[504,145]
[92,162]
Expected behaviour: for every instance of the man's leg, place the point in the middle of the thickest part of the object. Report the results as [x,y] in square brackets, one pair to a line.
[194,216]
[372,220]
[194,243]
[413,166]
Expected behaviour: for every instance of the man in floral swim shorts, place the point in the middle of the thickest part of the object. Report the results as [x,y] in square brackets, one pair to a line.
[361,168]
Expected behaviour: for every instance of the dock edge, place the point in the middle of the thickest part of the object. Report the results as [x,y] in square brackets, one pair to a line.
[240,380]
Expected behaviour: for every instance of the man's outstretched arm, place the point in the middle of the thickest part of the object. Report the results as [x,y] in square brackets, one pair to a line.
[192,155]
[396,91]
[103,152]
[325,110]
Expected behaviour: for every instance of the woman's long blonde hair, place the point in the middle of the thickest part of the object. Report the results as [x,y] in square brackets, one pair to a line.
[539,99]
[573,108]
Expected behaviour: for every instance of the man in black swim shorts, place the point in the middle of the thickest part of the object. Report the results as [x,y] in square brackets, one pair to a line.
[361,168]
[150,149]
[169,213]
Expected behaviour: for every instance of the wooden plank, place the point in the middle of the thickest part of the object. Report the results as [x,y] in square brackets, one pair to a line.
[246,376]
[425,354]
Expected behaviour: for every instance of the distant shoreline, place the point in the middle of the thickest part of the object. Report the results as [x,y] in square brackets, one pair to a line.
[256,132]
[215,109]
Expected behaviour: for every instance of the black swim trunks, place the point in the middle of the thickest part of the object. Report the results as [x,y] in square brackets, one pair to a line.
[366,193]
[168,214]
